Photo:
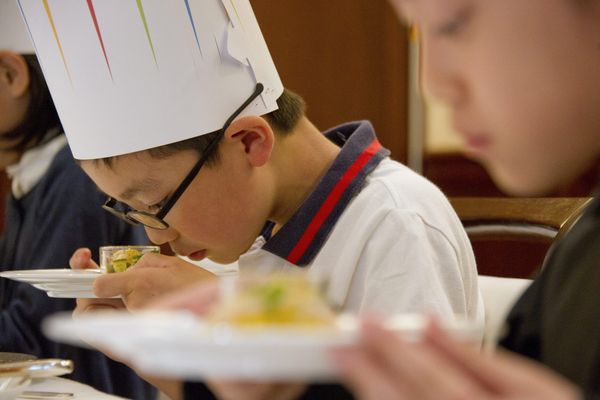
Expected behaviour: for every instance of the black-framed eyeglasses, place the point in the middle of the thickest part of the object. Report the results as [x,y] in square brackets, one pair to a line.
[156,221]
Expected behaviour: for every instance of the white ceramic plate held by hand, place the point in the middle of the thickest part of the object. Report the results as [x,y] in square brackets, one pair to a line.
[63,283]
[183,346]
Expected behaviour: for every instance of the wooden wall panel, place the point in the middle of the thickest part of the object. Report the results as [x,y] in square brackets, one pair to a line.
[348,59]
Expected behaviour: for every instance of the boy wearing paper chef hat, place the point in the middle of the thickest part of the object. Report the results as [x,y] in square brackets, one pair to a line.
[177,112]
[39,232]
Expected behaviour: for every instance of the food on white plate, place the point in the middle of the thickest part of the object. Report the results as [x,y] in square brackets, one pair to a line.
[281,299]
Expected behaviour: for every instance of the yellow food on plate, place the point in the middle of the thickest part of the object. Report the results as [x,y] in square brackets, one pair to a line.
[277,299]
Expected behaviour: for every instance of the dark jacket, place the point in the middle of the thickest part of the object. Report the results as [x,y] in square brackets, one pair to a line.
[61,213]
[557,320]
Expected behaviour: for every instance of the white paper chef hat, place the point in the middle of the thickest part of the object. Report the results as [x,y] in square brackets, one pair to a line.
[129,75]
[13,32]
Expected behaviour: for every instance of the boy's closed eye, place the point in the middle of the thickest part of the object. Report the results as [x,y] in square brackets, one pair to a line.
[456,24]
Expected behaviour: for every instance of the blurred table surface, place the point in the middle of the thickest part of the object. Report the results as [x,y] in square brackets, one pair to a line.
[61,385]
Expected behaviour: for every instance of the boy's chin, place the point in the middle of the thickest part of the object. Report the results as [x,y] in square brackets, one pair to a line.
[520,184]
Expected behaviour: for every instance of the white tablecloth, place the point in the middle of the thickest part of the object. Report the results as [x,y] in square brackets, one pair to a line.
[79,390]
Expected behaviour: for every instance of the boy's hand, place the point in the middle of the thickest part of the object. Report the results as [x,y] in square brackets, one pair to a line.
[82,259]
[384,366]
[152,276]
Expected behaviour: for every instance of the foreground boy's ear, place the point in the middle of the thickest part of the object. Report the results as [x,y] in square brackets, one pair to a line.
[255,136]
[14,74]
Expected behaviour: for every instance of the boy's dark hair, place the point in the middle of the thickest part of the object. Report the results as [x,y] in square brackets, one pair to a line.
[283,121]
[41,116]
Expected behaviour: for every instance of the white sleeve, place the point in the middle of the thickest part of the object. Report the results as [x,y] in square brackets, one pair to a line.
[408,266]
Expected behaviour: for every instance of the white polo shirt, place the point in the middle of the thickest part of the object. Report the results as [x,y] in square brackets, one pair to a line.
[384,238]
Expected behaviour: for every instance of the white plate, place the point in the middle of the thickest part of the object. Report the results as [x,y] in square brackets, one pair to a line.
[183,346]
[13,386]
[69,294]
[64,275]
[61,286]
[60,283]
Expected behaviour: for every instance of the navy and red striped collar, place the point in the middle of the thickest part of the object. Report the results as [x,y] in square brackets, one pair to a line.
[301,238]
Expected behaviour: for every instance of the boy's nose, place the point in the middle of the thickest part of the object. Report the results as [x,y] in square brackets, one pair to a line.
[439,78]
[161,236]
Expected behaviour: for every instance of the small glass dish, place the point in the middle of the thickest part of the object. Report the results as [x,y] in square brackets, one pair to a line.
[119,258]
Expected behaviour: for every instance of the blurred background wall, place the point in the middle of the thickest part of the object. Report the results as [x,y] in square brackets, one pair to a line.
[348,59]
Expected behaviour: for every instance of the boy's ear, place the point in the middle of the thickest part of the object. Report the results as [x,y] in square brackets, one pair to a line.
[14,74]
[255,136]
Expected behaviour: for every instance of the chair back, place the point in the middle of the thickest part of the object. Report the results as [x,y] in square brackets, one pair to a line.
[511,236]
